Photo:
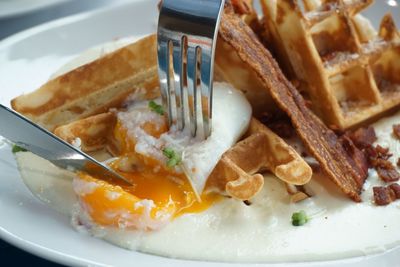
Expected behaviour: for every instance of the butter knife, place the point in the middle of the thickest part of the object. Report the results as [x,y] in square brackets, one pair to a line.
[32,137]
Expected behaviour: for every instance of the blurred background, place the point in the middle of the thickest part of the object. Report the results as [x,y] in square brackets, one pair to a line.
[18,15]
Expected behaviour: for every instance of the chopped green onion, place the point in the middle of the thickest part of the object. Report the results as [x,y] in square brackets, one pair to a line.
[173,158]
[16,149]
[299,218]
[172,162]
[156,107]
[168,152]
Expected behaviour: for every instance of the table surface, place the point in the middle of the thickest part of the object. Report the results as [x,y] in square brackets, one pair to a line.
[12,25]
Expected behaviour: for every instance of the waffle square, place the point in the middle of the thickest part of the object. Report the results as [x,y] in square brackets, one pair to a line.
[346,68]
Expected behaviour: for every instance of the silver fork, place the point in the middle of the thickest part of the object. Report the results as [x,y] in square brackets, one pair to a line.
[187,34]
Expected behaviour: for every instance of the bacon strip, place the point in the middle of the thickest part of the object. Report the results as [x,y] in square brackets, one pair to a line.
[322,143]
[243,6]
[357,155]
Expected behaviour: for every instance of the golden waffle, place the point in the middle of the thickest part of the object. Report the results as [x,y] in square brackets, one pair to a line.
[261,149]
[341,162]
[93,88]
[349,72]
[338,163]
[92,132]
[236,174]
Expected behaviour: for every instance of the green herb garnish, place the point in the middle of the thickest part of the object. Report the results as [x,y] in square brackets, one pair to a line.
[156,107]
[173,158]
[299,218]
[16,149]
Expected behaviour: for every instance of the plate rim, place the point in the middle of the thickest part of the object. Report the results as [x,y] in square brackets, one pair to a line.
[45,252]
[19,36]
[21,12]
[66,259]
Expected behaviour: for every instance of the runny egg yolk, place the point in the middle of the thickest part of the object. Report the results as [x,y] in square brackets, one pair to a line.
[158,193]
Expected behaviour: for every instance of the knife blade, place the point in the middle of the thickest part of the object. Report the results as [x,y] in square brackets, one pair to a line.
[30,136]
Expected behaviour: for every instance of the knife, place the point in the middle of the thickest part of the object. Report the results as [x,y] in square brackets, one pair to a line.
[32,137]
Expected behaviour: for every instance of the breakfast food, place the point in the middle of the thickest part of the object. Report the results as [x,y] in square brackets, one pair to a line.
[340,165]
[138,137]
[67,99]
[239,189]
[347,69]
[94,131]
[261,229]
[164,166]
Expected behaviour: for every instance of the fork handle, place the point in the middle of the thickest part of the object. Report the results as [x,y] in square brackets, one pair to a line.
[175,12]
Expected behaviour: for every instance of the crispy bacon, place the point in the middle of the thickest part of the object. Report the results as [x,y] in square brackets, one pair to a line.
[388,174]
[321,142]
[379,159]
[382,163]
[279,124]
[363,137]
[382,152]
[356,154]
[374,153]
[396,130]
[283,129]
[385,195]
[396,189]
[243,6]
[378,156]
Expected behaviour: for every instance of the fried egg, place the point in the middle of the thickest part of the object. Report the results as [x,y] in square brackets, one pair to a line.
[161,192]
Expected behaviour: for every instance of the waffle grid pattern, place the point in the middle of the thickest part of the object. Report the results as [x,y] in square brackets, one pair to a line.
[350,72]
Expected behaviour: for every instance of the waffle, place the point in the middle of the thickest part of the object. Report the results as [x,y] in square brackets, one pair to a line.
[261,149]
[93,88]
[340,161]
[349,71]
[237,174]
[92,132]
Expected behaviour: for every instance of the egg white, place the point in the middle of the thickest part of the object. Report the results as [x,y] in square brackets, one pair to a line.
[231,118]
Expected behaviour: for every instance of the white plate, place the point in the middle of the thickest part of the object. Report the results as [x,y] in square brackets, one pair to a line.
[12,8]
[27,60]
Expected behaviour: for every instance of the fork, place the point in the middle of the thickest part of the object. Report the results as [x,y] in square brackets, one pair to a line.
[186,39]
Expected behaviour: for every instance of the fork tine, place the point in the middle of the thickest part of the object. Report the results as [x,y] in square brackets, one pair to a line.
[163,63]
[198,21]
[192,87]
[206,90]
[178,82]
